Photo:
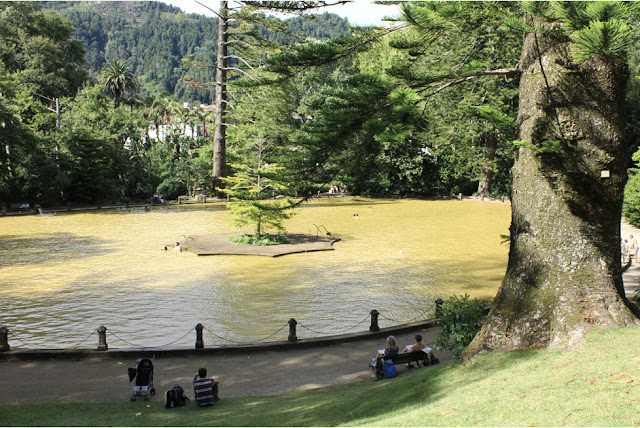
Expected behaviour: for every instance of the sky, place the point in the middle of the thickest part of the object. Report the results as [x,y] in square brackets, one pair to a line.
[358,12]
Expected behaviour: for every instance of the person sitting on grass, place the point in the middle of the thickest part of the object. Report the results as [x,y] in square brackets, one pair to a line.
[205,389]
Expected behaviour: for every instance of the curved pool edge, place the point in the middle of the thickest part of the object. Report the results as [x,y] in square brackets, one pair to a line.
[52,354]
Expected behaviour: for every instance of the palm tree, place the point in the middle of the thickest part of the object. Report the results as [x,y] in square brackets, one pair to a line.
[118,79]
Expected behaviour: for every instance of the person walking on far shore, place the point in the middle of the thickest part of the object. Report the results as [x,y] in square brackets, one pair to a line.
[625,250]
[633,247]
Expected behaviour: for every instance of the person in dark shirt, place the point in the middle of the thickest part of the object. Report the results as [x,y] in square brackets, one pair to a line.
[205,389]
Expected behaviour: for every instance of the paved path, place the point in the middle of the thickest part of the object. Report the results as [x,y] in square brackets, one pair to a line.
[246,374]
[631,277]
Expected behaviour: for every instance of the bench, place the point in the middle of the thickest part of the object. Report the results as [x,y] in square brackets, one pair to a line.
[409,357]
[419,357]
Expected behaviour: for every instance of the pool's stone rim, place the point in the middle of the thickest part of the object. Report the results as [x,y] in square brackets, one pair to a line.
[219,244]
[185,351]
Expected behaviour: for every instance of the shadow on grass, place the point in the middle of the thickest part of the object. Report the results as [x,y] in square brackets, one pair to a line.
[369,402]
[360,403]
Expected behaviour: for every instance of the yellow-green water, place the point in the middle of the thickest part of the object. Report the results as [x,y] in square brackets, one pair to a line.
[63,276]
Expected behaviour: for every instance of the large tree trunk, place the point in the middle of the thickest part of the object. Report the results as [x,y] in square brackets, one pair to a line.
[219,136]
[564,273]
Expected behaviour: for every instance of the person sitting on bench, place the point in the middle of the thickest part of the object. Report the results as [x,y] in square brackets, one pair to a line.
[391,349]
[419,346]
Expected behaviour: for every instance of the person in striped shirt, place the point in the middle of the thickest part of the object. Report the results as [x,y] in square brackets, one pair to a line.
[205,389]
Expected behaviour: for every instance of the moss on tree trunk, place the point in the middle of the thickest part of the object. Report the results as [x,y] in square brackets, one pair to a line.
[564,272]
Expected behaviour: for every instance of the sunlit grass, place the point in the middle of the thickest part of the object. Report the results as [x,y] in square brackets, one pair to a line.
[595,385]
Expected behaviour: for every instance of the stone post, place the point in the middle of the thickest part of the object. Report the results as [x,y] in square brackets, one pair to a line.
[68,206]
[199,341]
[292,330]
[374,321]
[4,209]
[102,338]
[4,339]
[439,303]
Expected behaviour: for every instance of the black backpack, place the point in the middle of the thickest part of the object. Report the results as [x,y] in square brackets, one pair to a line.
[175,397]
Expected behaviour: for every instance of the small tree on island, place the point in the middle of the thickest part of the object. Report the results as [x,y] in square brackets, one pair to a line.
[253,191]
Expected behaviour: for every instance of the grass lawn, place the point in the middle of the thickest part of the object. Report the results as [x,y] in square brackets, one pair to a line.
[595,385]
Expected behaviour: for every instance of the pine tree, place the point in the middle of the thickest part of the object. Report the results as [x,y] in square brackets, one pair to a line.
[237,27]
[564,270]
[253,191]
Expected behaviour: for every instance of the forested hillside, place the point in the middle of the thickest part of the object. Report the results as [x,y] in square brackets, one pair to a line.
[379,111]
[154,38]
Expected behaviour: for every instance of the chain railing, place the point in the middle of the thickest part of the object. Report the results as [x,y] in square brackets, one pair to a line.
[292,337]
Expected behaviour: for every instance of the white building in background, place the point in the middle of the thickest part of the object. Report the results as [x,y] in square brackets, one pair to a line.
[188,130]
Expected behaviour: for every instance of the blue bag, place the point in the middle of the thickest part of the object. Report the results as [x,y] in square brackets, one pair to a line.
[388,369]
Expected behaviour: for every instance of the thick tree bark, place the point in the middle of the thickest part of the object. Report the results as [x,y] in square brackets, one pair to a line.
[219,136]
[564,273]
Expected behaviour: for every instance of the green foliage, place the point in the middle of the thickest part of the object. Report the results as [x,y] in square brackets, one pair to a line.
[264,239]
[368,115]
[154,38]
[633,90]
[470,114]
[631,204]
[39,46]
[38,60]
[429,20]
[376,126]
[459,320]
[494,116]
[609,38]
[118,79]
[250,188]
[596,28]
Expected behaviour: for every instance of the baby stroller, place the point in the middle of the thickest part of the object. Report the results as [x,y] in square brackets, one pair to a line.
[143,374]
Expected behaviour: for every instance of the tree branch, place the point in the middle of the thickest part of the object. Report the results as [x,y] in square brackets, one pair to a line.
[497,72]
[208,8]
[242,60]
[240,70]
